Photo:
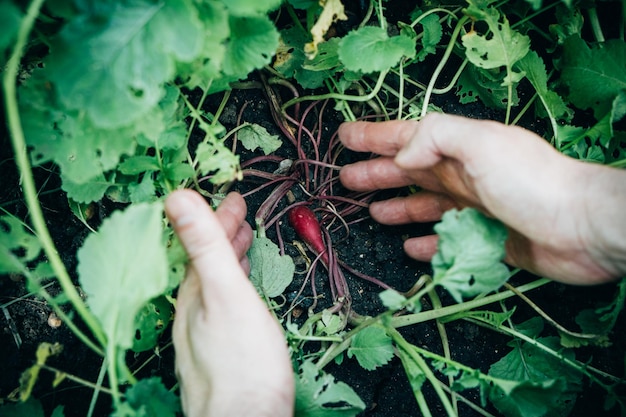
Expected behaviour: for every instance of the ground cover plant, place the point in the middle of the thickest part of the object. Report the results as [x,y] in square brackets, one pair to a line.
[112,105]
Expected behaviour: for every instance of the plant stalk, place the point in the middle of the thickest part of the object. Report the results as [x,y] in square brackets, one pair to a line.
[28,183]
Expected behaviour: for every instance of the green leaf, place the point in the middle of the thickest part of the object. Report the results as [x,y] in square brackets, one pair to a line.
[292,62]
[149,398]
[129,47]
[86,192]
[253,41]
[151,321]
[10,19]
[330,324]
[469,254]
[539,383]
[372,347]
[599,321]
[475,83]
[319,395]
[432,33]
[601,142]
[535,71]
[203,70]
[529,398]
[219,161]
[392,299]
[30,408]
[250,7]
[381,51]
[501,47]
[17,245]
[570,22]
[253,136]
[412,369]
[594,76]
[122,267]
[137,164]
[270,272]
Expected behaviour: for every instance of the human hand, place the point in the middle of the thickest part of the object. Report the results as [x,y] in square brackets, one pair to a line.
[231,356]
[506,172]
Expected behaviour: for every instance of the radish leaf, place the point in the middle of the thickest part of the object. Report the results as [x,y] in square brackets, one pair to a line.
[122,267]
[131,48]
[253,136]
[270,272]
[371,347]
[381,51]
[319,395]
[469,254]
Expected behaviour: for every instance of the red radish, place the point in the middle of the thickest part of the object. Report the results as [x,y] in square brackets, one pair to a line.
[305,223]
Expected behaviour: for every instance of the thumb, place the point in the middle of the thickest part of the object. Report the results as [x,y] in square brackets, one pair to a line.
[210,252]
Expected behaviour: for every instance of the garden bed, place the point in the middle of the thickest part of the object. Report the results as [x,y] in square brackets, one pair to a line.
[197,122]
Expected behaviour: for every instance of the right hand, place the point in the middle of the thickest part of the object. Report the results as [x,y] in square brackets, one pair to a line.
[506,172]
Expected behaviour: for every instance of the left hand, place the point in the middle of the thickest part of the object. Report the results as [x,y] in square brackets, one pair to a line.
[231,355]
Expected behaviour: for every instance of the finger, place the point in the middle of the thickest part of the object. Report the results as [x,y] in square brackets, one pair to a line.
[383,138]
[245,265]
[210,252]
[232,213]
[471,141]
[375,174]
[420,207]
[242,240]
[421,248]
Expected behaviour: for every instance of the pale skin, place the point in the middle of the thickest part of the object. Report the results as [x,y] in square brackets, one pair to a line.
[231,356]
[565,222]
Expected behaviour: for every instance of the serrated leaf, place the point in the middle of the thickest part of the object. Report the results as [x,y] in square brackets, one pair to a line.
[469,254]
[144,191]
[570,22]
[270,272]
[122,267]
[478,83]
[372,348]
[532,65]
[594,76]
[86,192]
[502,47]
[601,142]
[381,52]
[149,397]
[432,33]
[252,43]
[207,66]
[600,320]
[253,136]
[538,383]
[17,245]
[330,324]
[292,62]
[219,161]
[131,48]
[319,395]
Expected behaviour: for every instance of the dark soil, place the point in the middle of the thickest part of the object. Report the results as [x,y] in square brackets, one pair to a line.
[371,248]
